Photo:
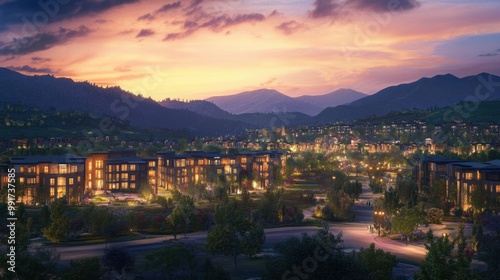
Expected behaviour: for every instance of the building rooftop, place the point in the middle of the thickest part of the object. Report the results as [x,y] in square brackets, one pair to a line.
[439,159]
[67,158]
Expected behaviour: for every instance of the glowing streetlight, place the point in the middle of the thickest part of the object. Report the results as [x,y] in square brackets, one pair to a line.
[379,218]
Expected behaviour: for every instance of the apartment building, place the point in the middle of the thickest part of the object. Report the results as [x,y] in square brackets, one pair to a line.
[430,169]
[465,175]
[119,170]
[180,170]
[45,178]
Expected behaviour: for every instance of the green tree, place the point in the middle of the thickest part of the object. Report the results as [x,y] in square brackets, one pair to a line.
[340,204]
[232,231]
[59,226]
[175,221]
[353,189]
[434,216]
[391,202]
[407,190]
[269,206]
[380,263]
[440,263]
[245,196]
[490,255]
[477,236]
[171,262]
[321,251]
[407,221]
[181,145]
[214,273]
[478,198]
[84,269]
[117,259]
[42,263]
[189,213]
[253,240]
[437,193]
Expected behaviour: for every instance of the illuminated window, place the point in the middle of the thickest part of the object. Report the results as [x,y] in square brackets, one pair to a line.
[61,192]
[21,180]
[124,167]
[71,181]
[98,164]
[132,167]
[74,169]
[132,185]
[46,169]
[61,181]
[52,181]
[79,179]
[99,174]
[99,184]
[152,164]
[90,166]
[63,169]
[124,176]
[244,160]
[132,177]
[21,169]
[124,185]
[52,191]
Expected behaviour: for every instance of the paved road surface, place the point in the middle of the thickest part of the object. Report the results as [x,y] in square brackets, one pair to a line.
[355,236]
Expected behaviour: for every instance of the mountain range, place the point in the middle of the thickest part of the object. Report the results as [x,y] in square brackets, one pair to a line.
[438,91]
[276,109]
[271,101]
[62,94]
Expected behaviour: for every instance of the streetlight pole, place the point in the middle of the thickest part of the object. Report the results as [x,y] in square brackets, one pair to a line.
[379,216]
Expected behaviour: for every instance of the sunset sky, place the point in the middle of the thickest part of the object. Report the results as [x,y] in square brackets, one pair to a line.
[200,48]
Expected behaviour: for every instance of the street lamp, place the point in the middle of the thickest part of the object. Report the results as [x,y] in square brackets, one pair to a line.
[379,218]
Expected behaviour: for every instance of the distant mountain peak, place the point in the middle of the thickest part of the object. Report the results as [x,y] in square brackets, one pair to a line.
[263,101]
[436,92]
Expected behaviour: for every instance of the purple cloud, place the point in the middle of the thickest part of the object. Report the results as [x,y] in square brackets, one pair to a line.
[145,33]
[42,41]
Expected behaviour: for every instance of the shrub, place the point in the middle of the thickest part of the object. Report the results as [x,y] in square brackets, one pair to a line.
[434,216]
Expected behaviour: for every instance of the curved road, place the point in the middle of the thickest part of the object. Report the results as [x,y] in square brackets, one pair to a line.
[355,236]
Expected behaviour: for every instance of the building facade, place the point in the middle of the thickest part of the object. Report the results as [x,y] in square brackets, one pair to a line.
[181,170]
[45,178]
[463,176]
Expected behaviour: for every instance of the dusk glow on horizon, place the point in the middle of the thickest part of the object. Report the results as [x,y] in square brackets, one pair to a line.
[201,48]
